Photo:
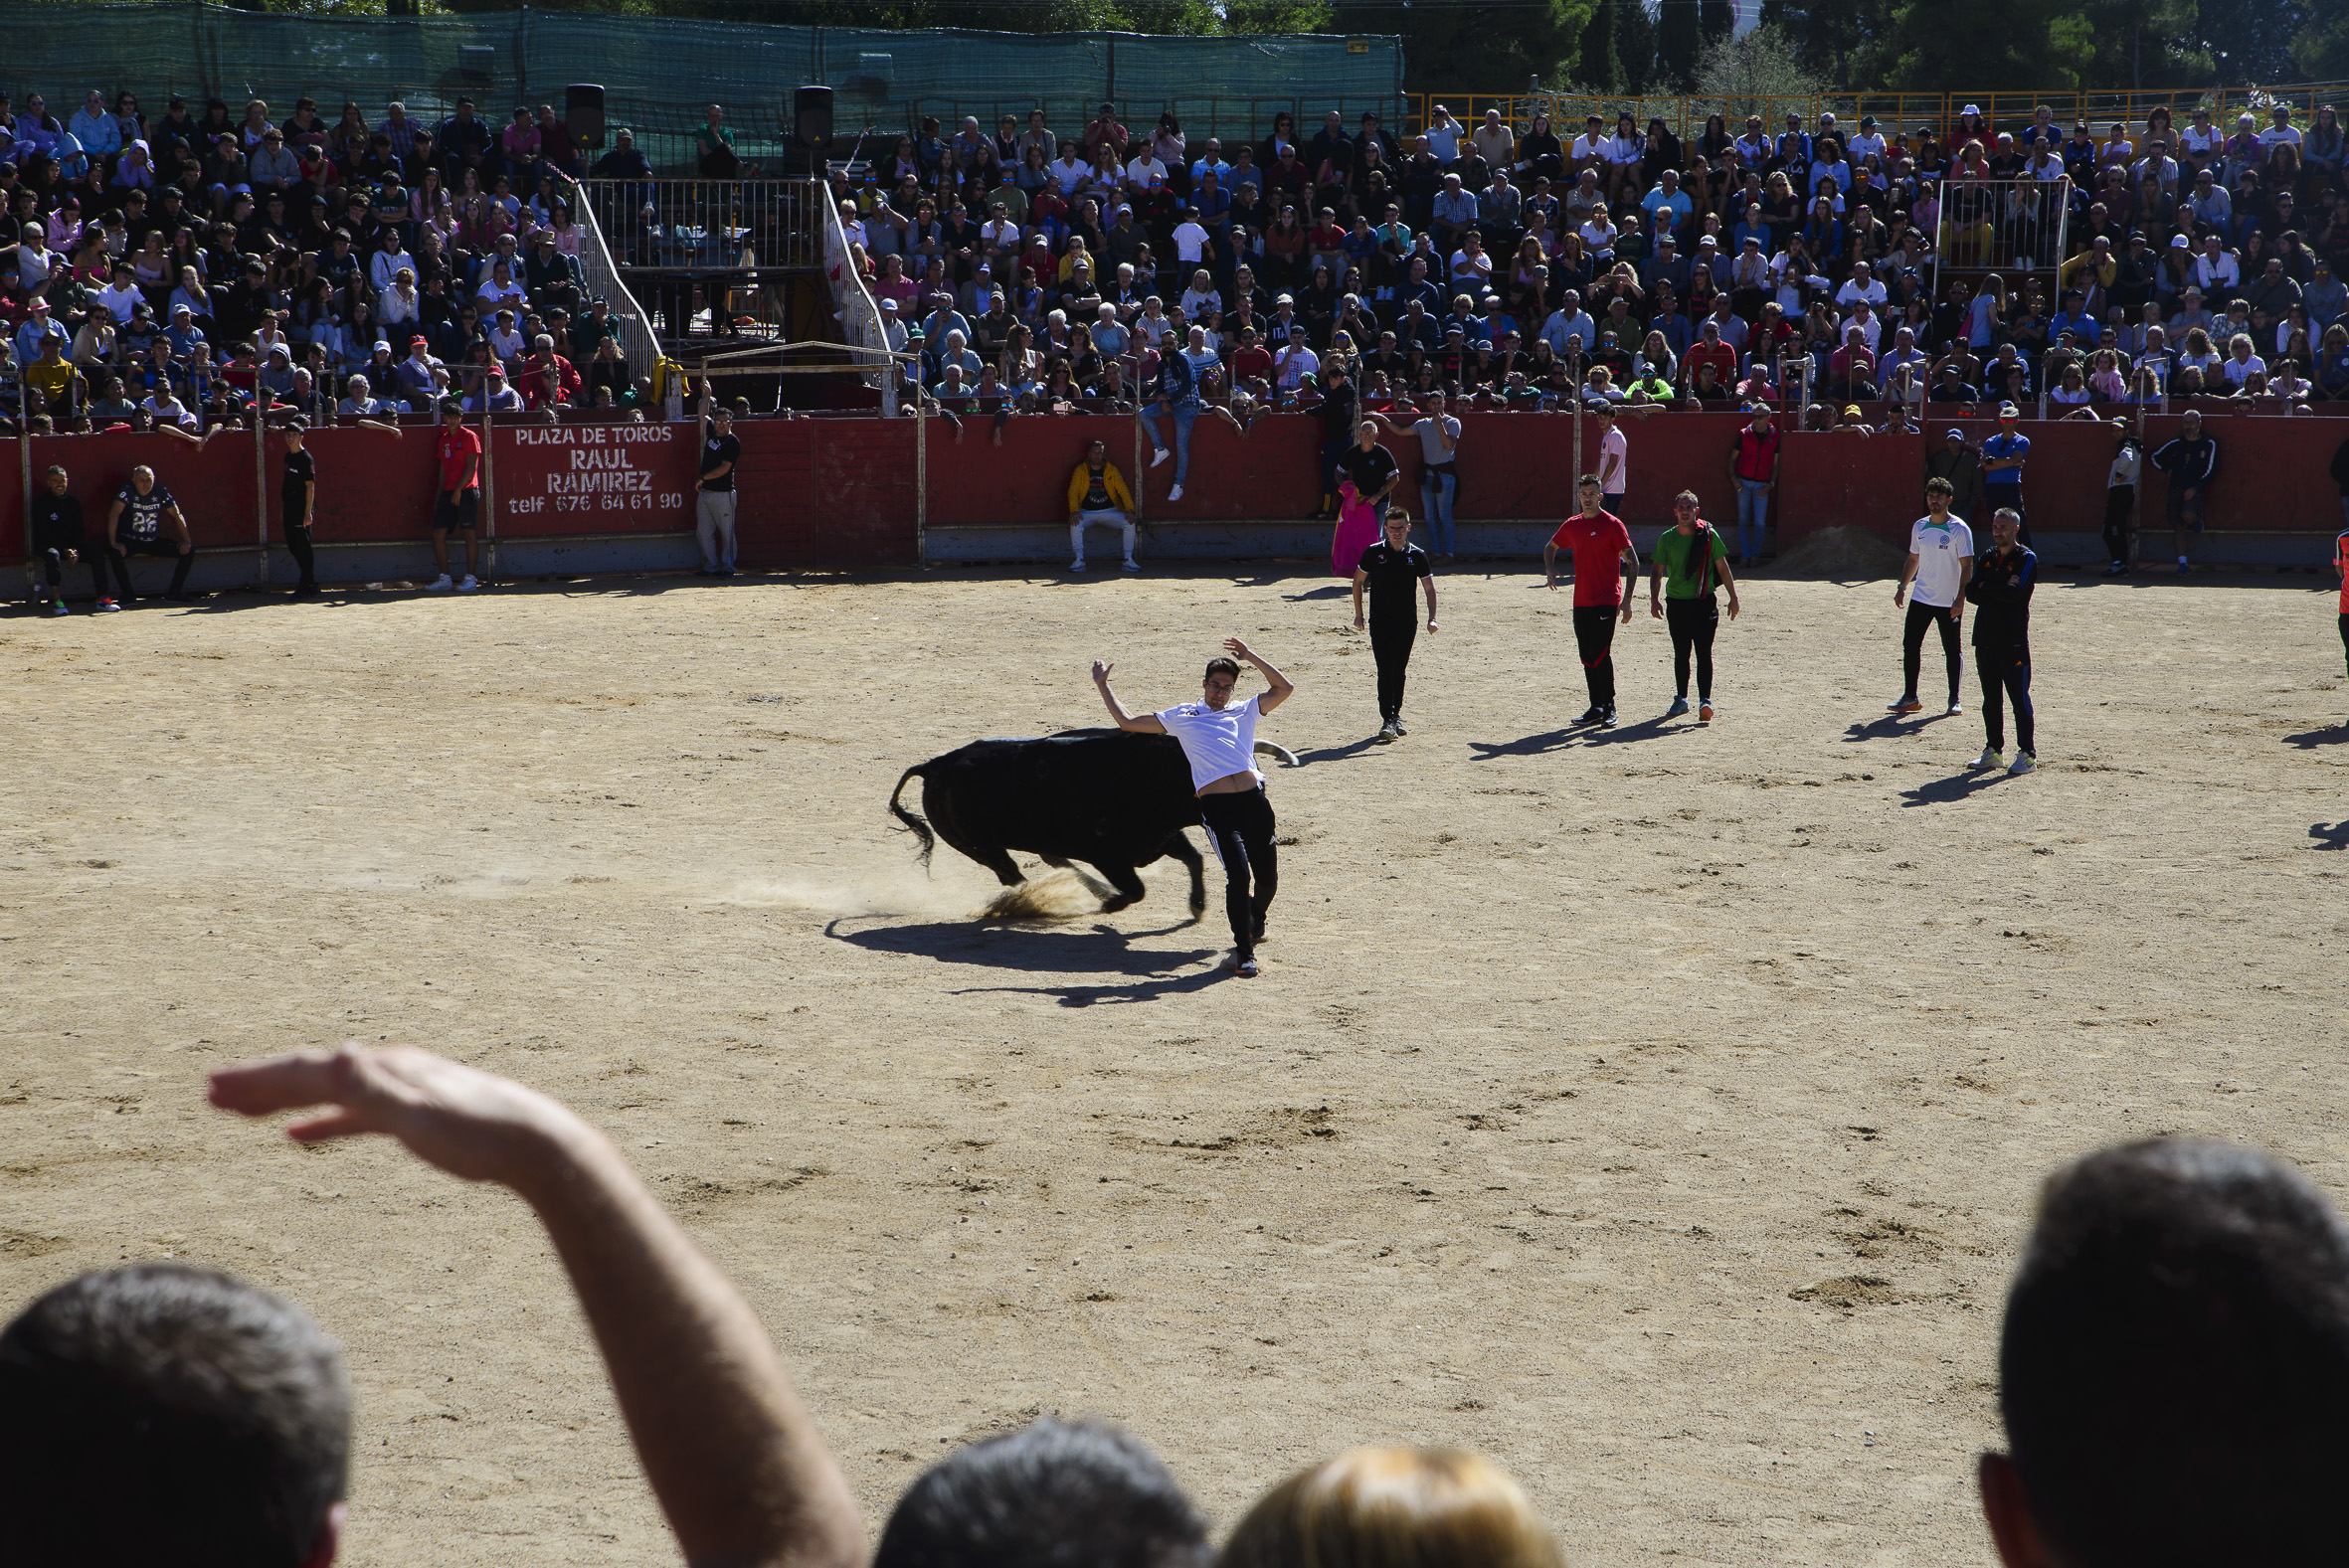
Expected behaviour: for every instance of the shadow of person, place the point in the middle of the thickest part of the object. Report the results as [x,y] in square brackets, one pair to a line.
[1942,791]
[1339,753]
[1095,950]
[2309,740]
[1332,591]
[1527,746]
[2329,836]
[1148,991]
[1888,725]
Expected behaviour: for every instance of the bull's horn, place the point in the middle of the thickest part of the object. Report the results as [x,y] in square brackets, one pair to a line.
[1287,758]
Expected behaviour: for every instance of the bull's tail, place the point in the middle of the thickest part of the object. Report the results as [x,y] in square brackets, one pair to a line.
[912,820]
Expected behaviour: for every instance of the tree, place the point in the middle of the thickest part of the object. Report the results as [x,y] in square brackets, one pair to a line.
[1597,65]
[2025,41]
[2322,48]
[1679,40]
[1635,46]
[1718,19]
[1840,40]
[1737,77]
[1454,46]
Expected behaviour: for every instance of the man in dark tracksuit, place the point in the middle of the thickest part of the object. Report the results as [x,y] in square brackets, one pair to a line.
[2190,460]
[1394,570]
[2001,590]
[58,541]
[1338,406]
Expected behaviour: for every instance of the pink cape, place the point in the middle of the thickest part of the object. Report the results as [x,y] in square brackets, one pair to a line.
[1357,531]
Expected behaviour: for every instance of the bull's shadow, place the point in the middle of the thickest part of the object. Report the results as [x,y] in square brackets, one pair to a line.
[1091,950]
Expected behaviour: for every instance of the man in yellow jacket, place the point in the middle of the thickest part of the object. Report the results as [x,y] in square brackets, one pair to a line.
[1097,493]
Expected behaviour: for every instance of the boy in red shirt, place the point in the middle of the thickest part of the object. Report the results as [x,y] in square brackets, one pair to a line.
[1600,539]
[458,503]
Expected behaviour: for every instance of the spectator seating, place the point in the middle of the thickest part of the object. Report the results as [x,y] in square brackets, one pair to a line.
[173,255]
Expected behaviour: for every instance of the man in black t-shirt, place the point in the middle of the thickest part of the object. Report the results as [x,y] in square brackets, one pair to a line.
[1394,570]
[299,497]
[1370,467]
[145,521]
[58,542]
[720,451]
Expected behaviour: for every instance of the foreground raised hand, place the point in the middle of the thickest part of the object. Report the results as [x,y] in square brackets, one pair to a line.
[735,1464]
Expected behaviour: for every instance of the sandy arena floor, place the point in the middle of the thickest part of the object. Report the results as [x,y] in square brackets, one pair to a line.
[1657,1112]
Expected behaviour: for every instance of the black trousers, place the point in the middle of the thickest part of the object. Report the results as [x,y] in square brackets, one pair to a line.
[2120,511]
[52,565]
[2345,635]
[1594,640]
[297,542]
[1331,451]
[1241,827]
[1913,642]
[120,552]
[1390,645]
[2005,670]
[1693,622]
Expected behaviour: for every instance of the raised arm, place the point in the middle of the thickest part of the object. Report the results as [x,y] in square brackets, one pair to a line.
[1281,687]
[735,1462]
[1140,724]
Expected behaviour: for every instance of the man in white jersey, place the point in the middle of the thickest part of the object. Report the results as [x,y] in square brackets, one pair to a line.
[1220,742]
[1940,560]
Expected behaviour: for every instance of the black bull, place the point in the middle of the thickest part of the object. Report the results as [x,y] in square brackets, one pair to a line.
[1114,799]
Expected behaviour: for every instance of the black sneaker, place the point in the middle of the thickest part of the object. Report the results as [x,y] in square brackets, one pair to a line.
[1592,715]
[1607,720]
[1244,965]
[1256,933]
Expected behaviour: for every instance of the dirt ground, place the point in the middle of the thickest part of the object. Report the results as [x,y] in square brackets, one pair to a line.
[1657,1112]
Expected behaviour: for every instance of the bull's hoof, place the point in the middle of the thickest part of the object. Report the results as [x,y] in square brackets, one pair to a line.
[1114,902]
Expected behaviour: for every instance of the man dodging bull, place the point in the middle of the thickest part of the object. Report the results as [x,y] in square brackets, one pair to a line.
[1218,741]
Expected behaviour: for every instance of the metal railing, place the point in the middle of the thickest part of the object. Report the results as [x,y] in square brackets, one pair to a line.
[603,280]
[2001,226]
[687,225]
[853,307]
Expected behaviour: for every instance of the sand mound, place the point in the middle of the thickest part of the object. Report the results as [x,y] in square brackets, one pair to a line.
[1841,553]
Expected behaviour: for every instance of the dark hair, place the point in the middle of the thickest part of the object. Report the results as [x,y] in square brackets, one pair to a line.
[160,1413]
[1222,666]
[2175,1360]
[1054,1494]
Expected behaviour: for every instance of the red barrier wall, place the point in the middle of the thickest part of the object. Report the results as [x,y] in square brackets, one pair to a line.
[826,493]
[841,493]
[1511,465]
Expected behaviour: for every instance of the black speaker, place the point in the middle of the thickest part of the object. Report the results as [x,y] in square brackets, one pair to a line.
[582,113]
[811,118]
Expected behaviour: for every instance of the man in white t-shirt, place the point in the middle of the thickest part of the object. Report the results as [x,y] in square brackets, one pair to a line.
[1219,743]
[1191,239]
[1940,560]
[2282,133]
[1614,459]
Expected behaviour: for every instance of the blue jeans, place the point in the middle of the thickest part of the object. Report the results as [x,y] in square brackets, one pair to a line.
[1436,491]
[1753,518]
[1184,413]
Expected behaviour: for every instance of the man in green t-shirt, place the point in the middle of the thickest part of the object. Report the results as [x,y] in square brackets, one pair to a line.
[1690,560]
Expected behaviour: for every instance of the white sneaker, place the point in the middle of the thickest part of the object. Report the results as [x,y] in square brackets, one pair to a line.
[1955,710]
[469,584]
[1076,566]
[1133,566]
[2023,763]
[1161,455]
[1174,494]
[1990,757]
[439,585]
